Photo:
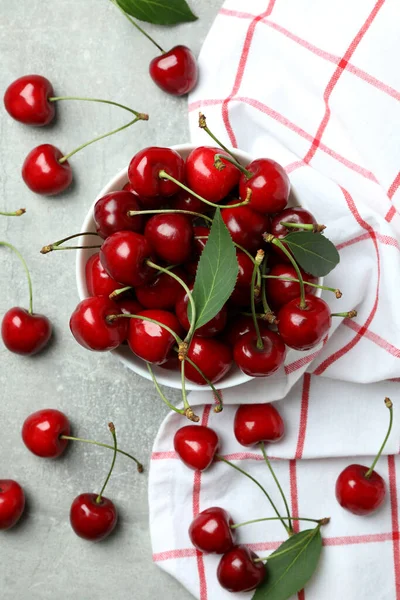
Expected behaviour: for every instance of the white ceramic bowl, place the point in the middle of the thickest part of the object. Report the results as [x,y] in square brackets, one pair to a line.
[123,353]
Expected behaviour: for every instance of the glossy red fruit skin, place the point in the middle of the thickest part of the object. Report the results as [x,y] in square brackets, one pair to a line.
[170,236]
[43,173]
[41,432]
[12,503]
[123,256]
[144,169]
[257,362]
[90,520]
[185,201]
[246,267]
[210,329]
[239,326]
[175,71]
[302,329]
[213,357]
[98,281]
[146,203]
[152,342]
[281,292]
[111,214]
[211,531]
[245,226]
[269,184]
[128,306]
[27,100]
[90,328]
[207,181]
[295,214]
[196,446]
[356,493]
[237,571]
[23,333]
[255,423]
[163,291]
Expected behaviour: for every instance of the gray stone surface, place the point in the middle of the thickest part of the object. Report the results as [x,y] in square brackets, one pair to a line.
[89,49]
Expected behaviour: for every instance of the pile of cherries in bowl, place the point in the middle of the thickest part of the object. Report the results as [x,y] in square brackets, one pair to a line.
[154,229]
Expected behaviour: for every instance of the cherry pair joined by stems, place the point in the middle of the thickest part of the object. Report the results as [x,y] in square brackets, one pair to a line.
[23,331]
[359,489]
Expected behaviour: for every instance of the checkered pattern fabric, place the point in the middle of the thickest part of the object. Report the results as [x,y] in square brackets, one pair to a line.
[314,85]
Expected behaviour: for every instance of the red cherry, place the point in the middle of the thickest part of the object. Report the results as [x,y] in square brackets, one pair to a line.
[237,571]
[269,184]
[92,520]
[25,333]
[196,446]
[111,214]
[163,292]
[280,292]
[241,297]
[172,363]
[245,226]
[246,267]
[255,423]
[144,169]
[124,255]
[213,357]
[98,281]
[211,531]
[210,329]
[90,327]
[42,431]
[12,503]
[170,236]
[241,325]
[205,179]
[357,493]
[146,203]
[129,306]
[27,100]
[43,173]
[183,200]
[259,362]
[294,214]
[175,71]
[152,342]
[304,328]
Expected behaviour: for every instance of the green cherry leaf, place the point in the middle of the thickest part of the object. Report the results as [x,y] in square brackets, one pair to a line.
[216,275]
[159,12]
[313,252]
[291,566]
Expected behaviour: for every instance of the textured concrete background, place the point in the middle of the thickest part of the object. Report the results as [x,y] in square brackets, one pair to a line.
[88,49]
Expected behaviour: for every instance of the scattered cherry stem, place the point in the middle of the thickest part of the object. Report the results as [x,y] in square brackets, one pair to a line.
[257,262]
[133,213]
[324,521]
[221,458]
[162,396]
[21,258]
[262,446]
[273,240]
[76,439]
[296,545]
[346,315]
[314,227]
[16,213]
[164,175]
[112,430]
[137,26]
[336,291]
[55,245]
[389,405]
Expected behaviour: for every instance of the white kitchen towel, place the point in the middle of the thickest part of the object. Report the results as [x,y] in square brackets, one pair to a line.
[315,86]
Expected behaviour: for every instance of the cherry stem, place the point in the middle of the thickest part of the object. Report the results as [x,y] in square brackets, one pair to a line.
[336,291]
[116,293]
[137,26]
[389,405]
[133,213]
[190,333]
[273,240]
[55,245]
[346,315]
[164,175]
[219,164]
[21,258]
[138,115]
[76,439]
[257,262]
[269,314]
[221,458]
[216,392]
[324,521]
[314,227]
[262,446]
[203,125]
[17,213]
[283,552]
[112,318]
[112,430]
[205,237]
[188,411]
[162,396]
